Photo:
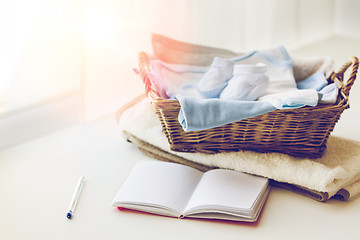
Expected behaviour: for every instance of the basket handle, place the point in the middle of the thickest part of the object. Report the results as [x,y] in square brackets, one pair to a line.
[339,76]
[143,65]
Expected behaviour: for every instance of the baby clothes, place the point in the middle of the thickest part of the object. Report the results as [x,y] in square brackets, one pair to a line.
[248,82]
[215,79]
[182,82]
[329,94]
[279,68]
[316,81]
[293,99]
[282,91]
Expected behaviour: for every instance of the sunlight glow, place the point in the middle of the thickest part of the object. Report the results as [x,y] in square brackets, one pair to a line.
[99,24]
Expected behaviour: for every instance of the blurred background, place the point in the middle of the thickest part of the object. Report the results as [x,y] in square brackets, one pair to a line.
[65,62]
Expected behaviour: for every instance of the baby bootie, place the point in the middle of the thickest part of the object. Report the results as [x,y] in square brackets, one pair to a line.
[248,83]
[216,78]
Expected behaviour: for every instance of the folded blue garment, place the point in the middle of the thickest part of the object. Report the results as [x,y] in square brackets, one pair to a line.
[200,114]
[328,93]
[316,81]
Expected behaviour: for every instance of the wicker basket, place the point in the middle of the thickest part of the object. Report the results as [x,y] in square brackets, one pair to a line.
[301,132]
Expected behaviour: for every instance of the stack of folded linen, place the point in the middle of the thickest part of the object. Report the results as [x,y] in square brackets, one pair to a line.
[335,174]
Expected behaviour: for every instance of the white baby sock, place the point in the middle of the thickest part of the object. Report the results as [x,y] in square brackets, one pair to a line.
[248,83]
[215,79]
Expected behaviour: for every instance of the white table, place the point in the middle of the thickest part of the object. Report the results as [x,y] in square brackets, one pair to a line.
[37,180]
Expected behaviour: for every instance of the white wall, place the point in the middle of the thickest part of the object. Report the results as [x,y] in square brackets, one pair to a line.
[347,18]
[50,61]
[238,25]
[39,51]
[315,20]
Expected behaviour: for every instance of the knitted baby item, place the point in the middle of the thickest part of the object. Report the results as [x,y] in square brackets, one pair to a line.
[215,79]
[248,82]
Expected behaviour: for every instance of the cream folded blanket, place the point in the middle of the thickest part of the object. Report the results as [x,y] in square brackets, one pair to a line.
[338,169]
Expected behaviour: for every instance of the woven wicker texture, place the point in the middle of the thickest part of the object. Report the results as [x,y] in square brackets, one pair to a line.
[300,132]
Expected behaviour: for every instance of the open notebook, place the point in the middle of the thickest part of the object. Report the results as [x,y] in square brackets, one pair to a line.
[176,190]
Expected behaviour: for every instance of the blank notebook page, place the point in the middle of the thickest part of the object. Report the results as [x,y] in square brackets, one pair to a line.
[159,183]
[228,188]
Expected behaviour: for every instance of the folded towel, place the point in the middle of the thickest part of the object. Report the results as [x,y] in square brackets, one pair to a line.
[159,154]
[337,172]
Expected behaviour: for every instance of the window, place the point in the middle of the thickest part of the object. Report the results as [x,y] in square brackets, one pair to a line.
[41,54]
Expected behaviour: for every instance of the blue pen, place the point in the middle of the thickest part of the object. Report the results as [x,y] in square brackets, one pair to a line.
[75,197]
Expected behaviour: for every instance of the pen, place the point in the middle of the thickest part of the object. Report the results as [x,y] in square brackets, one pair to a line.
[75,197]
